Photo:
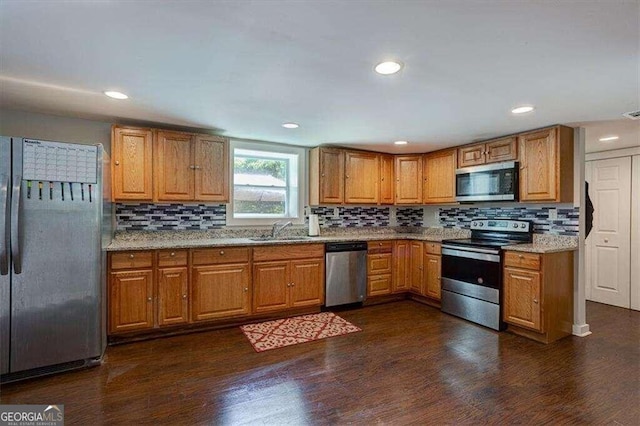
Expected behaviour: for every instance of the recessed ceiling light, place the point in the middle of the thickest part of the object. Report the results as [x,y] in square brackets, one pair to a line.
[401,142]
[116,95]
[522,109]
[389,67]
[609,138]
[290,125]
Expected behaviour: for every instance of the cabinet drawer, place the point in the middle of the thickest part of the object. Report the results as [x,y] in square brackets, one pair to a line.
[172,258]
[379,285]
[221,255]
[379,264]
[131,259]
[380,246]
[432,248]
[288,252]
[522,260]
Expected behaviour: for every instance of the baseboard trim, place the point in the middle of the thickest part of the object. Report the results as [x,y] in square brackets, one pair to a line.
[581,330]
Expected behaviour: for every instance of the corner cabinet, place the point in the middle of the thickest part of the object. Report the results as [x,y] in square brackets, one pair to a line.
[131,163]
[439,171]
[538,294]
[408,170]
[286,277]
[546,165]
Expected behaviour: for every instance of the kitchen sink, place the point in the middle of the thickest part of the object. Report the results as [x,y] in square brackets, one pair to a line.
[279,238]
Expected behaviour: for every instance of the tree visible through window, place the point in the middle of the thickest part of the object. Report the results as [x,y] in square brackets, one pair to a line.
[262,184]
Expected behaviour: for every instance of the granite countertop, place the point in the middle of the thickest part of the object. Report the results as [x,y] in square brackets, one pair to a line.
[151,240]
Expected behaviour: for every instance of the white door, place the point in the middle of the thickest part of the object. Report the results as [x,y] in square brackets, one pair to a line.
[609,243]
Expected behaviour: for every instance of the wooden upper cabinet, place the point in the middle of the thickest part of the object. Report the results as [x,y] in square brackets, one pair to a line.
[211,161]
[505,149]
[131,163]
[326,176]
[546,165]
[439,171]
[386,179]
[361,178]
[408,170]
[471,155]
[174,169]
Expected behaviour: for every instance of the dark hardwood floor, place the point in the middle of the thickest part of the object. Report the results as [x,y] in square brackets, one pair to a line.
[411,364]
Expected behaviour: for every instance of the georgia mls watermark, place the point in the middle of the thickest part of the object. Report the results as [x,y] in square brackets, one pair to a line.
[31,415]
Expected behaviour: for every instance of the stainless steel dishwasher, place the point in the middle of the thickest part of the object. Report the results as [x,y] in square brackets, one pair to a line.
[346,273]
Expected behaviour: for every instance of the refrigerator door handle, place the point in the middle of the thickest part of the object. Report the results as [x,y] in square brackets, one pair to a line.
[16,252]
[4,214]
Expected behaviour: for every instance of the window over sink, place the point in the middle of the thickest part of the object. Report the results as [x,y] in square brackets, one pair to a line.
[267,183]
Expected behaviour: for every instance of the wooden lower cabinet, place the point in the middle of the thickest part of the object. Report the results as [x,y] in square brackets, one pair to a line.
[280,285]
[415,267]
[220,291]
[173,301]
[130,300]
[432,269]
[379,268]
[400,282]
[538,294]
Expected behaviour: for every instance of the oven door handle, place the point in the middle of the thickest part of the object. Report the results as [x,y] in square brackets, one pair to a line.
[474,249]
[479,254]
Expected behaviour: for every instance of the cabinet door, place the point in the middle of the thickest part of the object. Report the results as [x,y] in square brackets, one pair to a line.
[538,166]
[307,282]
[378,285]
[130,301]
[331,176]
[211,160]
[408,171]
[432,268]
[386,179]
[219,291]
[361,178]
[132,164]
[439,172]
[173,302]
[174,169]
[471,155]
[505,149]
[522,298]
[415,267]
[270,286]
[400,266]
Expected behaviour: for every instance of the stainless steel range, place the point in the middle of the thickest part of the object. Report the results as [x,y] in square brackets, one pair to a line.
[472,270]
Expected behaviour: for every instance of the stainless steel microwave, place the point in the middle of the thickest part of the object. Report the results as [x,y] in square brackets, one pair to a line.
[493,182]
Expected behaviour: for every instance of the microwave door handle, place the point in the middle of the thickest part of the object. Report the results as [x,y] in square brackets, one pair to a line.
[4,214]
[16,252]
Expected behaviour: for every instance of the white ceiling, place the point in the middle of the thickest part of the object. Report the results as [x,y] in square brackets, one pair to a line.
[245,67]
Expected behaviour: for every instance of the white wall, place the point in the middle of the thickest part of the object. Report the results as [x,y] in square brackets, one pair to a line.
[56,128]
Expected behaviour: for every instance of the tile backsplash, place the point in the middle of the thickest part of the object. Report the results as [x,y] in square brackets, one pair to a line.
[352,217]
[565,224]
[153,217]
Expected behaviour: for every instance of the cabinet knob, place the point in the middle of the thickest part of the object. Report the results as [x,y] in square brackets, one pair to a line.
[197,167]
[148,299]
[292,284]
[606,240]
[439,278]
[382,179]
[322,175]
[117,163]
[379,244]
[246,289]
[173,253]
[520,256]
[184,296]
[346,176]
[192,167]
[131,256]
[221,252]
[535,301]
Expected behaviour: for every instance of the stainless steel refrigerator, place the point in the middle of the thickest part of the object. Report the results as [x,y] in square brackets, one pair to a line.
[54,224]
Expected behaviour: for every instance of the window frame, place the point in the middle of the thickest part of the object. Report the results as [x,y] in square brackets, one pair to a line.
[301,152]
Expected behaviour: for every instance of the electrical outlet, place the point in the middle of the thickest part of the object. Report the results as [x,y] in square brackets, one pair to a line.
[336,212]
[553,214]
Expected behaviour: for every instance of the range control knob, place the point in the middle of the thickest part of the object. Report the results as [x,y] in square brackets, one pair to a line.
[515,225]
[523,225]
[474,224]
[481,224]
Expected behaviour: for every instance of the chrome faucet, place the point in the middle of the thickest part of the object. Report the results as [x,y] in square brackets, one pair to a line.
[278,227]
